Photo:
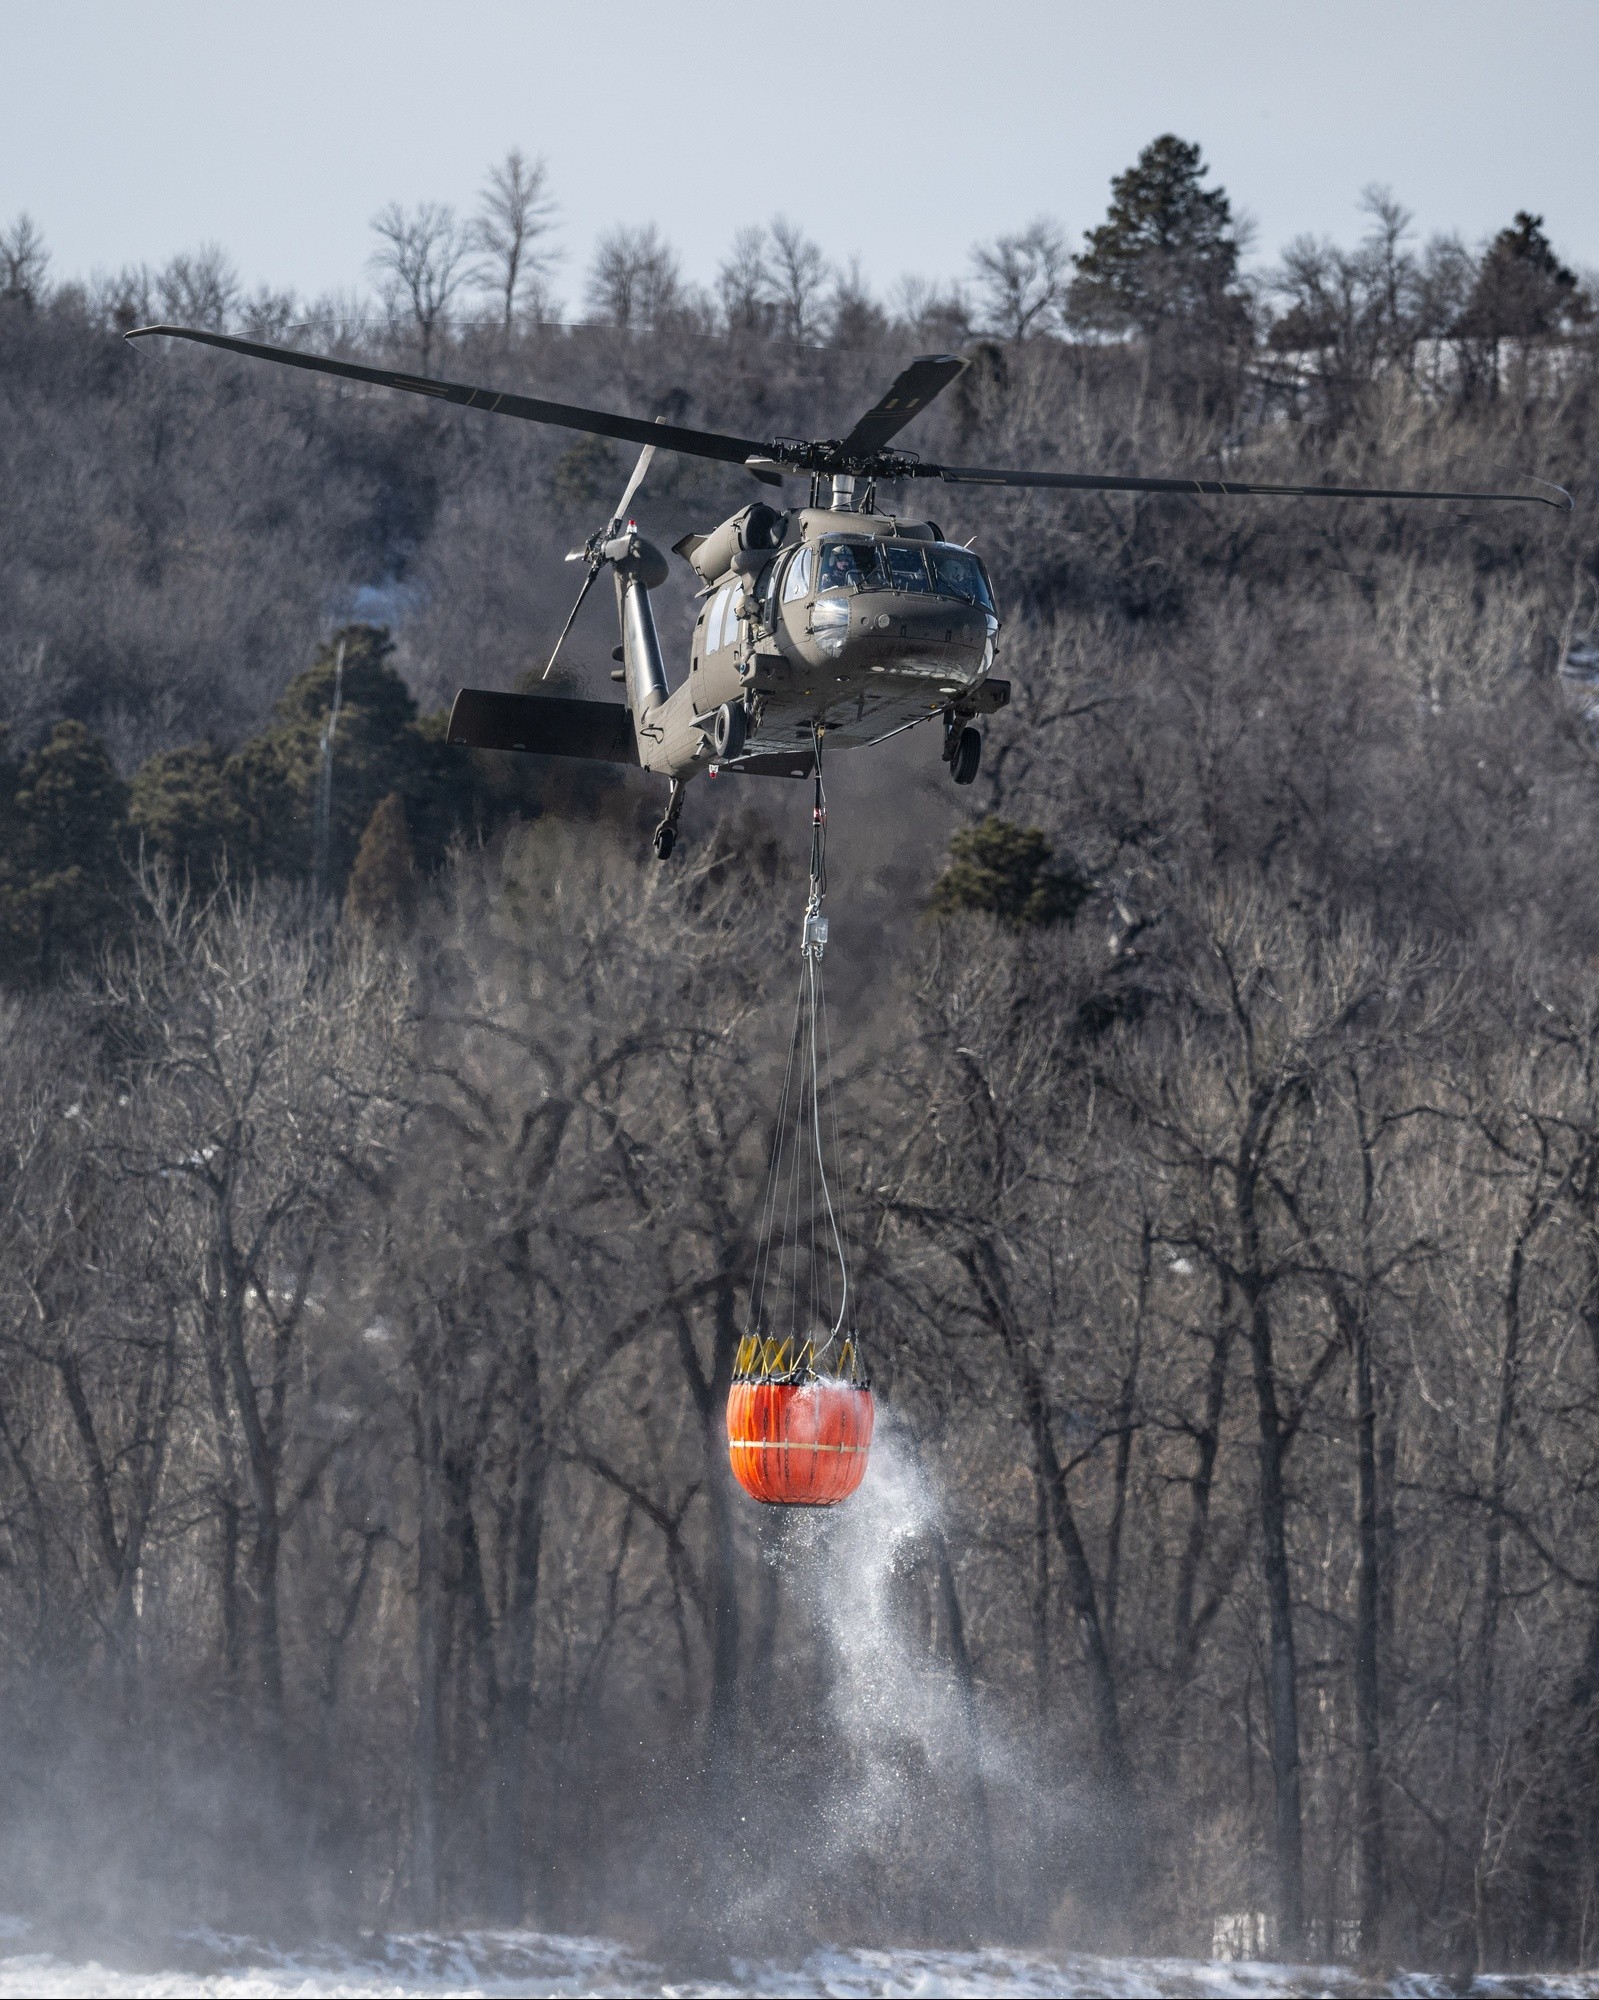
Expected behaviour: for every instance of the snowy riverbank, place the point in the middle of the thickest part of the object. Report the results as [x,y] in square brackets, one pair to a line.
[527,1962]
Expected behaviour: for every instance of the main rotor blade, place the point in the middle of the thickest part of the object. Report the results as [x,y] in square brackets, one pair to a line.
[632,485]
[913,389]
[567,416]
[1095,482]
[594,570]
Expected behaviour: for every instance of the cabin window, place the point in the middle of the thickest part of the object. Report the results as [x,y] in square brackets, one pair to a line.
[798,580]
[766,592]
[715,618]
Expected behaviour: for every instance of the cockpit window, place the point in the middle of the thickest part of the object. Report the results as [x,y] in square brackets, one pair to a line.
[798,579]
[849,566]
[885,565]
[958,573]
[906,570]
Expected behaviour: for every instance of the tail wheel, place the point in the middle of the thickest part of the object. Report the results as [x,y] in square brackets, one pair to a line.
[665,841]
[968,755]
[730,729]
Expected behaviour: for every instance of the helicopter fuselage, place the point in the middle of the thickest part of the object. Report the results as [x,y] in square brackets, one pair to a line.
[855,626]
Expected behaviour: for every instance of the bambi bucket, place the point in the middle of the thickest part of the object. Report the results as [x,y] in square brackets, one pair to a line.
[799,1444]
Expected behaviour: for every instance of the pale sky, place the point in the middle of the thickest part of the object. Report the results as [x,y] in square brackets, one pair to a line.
[900,134]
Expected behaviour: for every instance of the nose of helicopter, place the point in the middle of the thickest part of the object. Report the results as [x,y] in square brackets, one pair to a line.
[894,624]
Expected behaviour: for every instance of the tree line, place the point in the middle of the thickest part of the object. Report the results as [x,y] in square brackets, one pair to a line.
[1168,250]
[350,791]
[194,528]
[1222,1147]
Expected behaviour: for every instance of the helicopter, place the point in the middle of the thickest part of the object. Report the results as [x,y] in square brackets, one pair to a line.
[835,620]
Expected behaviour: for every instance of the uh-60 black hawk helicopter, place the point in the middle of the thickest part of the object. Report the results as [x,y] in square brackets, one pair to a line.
[831,620]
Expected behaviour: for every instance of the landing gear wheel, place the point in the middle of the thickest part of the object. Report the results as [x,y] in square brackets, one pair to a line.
[665,838]
[729,730]
[968,755]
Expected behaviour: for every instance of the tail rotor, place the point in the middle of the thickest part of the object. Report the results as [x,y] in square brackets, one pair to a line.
[599,549]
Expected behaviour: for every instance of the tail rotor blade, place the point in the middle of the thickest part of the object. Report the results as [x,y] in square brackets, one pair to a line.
[594,570]
[596,563]
[634,483]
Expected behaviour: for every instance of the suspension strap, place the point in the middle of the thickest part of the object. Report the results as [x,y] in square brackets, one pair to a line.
[802,1233]
[813,936]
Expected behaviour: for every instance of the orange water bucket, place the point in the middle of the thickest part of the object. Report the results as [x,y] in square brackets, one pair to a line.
[799,1444]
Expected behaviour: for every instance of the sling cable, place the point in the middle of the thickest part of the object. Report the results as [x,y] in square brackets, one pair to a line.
[799,1413]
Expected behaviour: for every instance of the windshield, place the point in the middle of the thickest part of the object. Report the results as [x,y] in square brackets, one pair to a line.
[848,566]
[875,565]
[958,573]
[906,569]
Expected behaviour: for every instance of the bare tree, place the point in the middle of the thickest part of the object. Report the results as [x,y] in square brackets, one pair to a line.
[421,261]
[1022,279]
[23,261]
[1392,266]
[935,312]
[508,232]
[635,282]
[854,317]
[269,315]
[1232,1094]
[199,290]
[744,282]
[123,299]
[108,1347]
[797,276]
[971,1184]
[774,281]
[265,1076]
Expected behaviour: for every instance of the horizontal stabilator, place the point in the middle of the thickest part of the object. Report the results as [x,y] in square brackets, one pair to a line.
[549,725]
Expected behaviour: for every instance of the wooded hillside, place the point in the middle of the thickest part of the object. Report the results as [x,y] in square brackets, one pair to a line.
[1222,1116]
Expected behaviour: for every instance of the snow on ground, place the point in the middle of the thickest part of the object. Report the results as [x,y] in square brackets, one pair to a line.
[528,1962]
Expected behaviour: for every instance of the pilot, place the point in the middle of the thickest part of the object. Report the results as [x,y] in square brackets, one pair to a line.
[842,568]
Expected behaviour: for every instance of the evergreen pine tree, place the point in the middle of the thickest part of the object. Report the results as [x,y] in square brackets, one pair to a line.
[371,747]
[189,808]
[1167,249]
[64,877]
[450,791]
[1522,289]
[374,750]
[382,889]
[1004,871]
[255,812]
